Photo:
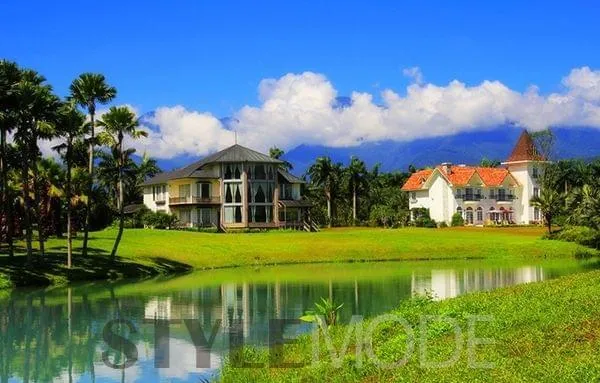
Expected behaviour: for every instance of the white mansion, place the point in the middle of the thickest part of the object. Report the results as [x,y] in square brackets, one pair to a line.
[481,195]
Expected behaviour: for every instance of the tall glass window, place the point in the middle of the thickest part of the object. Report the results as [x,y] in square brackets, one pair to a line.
[233,192]
[261,187]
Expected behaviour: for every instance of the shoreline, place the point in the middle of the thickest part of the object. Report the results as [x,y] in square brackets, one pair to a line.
[152,253]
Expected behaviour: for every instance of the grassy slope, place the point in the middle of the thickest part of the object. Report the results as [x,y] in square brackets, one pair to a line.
[546,331]
[164,251]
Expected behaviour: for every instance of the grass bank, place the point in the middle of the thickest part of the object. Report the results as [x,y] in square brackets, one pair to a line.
[150,252]
[546,331]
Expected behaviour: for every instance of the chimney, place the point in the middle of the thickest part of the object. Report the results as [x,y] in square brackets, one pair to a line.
[447,167]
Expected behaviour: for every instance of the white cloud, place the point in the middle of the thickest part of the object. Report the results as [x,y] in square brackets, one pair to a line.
[414,73]
[297,109]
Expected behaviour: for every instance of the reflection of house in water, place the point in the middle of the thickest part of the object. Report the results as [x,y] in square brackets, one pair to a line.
[449,283]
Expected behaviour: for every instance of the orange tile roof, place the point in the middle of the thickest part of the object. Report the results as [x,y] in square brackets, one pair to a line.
[525,150]
[416,180]
[459,176]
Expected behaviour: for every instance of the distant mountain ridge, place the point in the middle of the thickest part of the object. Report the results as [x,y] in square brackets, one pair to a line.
[460,148]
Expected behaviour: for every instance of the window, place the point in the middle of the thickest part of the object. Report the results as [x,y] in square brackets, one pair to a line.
[185,216]
[469,216]
[413,195]
[184,191]
[536,192]
[492,193]
[203,190]
[535,172]
[285,191]
[479,214]
[204,217]
[261,189]
[536,214]
[233,214]
[501,194]
[158,192]
[459,211]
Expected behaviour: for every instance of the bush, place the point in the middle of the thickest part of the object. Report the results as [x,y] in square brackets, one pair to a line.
[160,220]
[422,219]
[443,225]
[580,234]
[457,220]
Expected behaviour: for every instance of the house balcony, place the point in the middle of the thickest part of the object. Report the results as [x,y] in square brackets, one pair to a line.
[505,199]
[195,200]
[470,197]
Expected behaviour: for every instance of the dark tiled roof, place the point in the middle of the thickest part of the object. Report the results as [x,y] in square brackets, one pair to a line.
[290,177]
[525,150]
[130,209]
[235,153]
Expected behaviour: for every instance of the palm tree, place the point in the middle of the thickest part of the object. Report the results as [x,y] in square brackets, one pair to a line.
[118,122]
[584,207]
[36,107]
[356,172]
[324,174]
[71,126]
[146,169]
[109,167]
[550,202]
[277,153]
[9,77]
[87,90]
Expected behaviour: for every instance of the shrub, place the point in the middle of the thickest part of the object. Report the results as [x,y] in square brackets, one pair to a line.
[580,234]
[159,220]
[458,220]
[443,225]
[422,219]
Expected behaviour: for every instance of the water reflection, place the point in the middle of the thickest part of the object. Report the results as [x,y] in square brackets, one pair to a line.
[56,335]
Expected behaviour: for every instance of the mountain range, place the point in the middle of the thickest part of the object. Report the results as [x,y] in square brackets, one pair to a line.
[461,148]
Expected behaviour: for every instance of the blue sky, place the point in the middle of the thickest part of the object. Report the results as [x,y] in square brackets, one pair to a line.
[210,57]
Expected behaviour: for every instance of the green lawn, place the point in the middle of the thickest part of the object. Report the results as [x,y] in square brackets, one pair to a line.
[162,251]
[546,331]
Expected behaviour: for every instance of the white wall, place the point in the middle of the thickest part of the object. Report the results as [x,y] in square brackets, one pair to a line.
[151,204]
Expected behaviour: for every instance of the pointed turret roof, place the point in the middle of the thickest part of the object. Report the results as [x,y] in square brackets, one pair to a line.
[525,150]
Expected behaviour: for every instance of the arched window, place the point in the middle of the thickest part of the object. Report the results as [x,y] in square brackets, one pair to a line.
[479,214]
[469,215]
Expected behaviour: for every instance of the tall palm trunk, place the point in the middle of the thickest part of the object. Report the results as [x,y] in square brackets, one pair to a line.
[38,204]
[5,203]
[88,206]
[69,207]
[113,253]
[27,209]
[328,196]
[354,204]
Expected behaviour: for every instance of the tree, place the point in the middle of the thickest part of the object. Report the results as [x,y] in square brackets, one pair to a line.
[487,163]
[9,77]
[324,174]
[550,203]
[36,106]
[544,141]
[584,207]
[356,172]
[147,168]
[118,122]
[277,153]
[87,90]
[71,127]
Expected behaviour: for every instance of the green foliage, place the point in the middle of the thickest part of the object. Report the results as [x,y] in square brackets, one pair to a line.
[324,314]
[585,236]
[421,218]
[159,220]
[458,220]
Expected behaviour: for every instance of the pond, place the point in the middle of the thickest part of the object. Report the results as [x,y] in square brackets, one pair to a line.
[61,334]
